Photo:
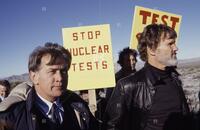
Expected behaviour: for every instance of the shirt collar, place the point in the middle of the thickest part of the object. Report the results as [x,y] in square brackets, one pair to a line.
[46,105]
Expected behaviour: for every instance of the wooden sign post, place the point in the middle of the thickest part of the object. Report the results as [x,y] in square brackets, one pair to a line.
[92,101]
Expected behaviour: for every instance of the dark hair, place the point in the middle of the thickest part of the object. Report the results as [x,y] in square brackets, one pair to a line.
[126,51]
[53,49]
[151,36]
[6,84]
[83,92]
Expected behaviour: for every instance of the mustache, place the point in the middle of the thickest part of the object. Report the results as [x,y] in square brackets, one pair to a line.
[174,55]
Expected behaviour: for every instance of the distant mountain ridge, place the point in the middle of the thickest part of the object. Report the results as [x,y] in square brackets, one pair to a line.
[193,62]
[18,78]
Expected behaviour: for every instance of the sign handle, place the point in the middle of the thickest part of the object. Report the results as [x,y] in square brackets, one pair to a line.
[92,101]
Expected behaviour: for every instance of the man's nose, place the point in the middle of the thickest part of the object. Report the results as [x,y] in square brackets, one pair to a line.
[175,48]
[58,76]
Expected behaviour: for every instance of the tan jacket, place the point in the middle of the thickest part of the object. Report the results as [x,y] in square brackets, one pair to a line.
[19,93]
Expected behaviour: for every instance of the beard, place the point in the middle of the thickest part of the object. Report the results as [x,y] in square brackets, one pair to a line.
[168,60]
[172,62]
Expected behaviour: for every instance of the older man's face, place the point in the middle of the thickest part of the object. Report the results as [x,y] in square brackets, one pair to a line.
[166,52]
[51,80]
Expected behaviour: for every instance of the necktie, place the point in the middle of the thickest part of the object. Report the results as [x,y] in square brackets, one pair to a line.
[55,114]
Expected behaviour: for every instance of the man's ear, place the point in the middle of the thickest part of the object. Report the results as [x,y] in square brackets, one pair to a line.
[34,77]
[151,51]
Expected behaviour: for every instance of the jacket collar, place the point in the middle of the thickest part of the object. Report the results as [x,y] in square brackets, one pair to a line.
[153,78]
[32,99]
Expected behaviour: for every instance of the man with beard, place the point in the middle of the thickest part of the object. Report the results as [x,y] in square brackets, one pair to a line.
[152,98]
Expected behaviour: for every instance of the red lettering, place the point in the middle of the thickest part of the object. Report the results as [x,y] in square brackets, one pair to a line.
[82,35]
[81,66]
[90,35]
[164,17]
[80,52]
[154,18]
[86,35]
[100,50]
[73,66]
[89,65]
[104,65]
[75,37]
[97,66]
[93,49]
[75,51]
[97,33]
[174,21]
[106,49]
[145,14]
[86,51]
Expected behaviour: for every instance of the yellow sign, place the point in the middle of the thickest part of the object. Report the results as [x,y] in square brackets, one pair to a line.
[92,61]
[144,16]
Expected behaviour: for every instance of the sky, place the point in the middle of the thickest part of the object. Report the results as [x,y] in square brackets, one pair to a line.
[26,24]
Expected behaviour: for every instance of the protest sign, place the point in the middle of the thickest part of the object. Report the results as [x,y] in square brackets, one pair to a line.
[144,16]
[92,61]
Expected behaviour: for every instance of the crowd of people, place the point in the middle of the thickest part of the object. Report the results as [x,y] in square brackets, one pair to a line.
[151,98]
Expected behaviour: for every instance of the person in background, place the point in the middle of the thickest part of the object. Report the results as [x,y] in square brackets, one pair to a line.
[4,89]
[127,61]
[152,98]
[49,105]
[17,94]
[84,95]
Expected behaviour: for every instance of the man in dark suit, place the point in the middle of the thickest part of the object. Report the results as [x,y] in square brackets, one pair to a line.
[49,105]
